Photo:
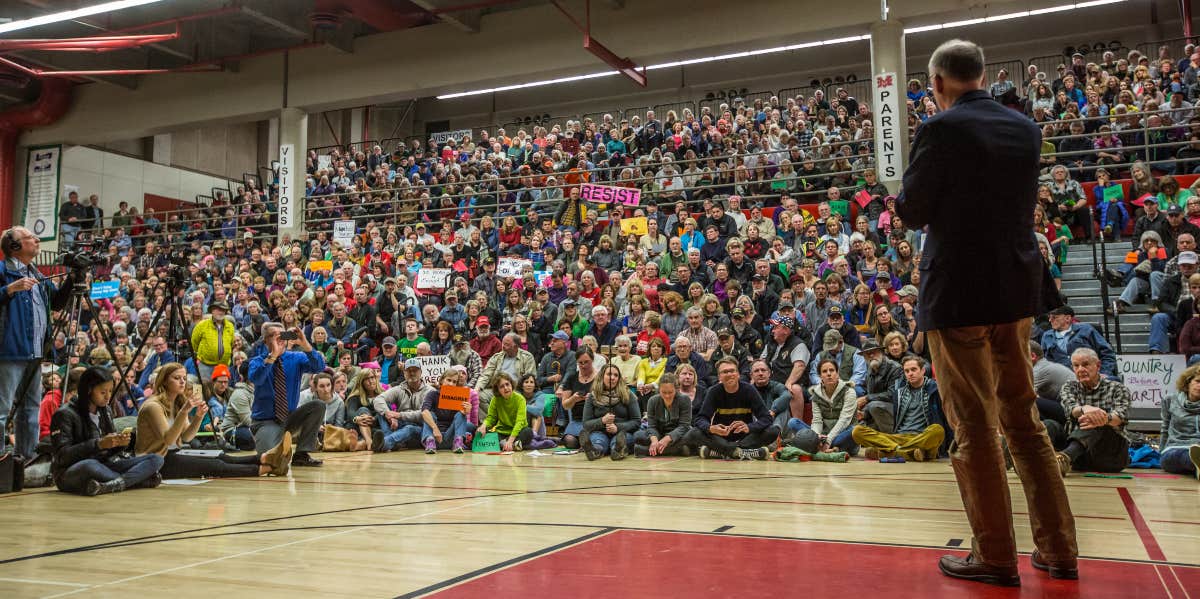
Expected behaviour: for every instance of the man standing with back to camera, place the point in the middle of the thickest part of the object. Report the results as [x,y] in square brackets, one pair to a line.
[980,343]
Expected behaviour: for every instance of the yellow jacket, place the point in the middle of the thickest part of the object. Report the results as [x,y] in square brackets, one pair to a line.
[204,341]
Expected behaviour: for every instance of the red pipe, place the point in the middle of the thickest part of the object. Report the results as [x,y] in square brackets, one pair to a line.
[1185,11]
[87,44]
[50,106]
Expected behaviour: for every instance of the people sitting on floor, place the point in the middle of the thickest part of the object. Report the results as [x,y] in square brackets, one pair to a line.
[448,428]
[733,421]
[170,418]
[90,457]
[1097,410]
[834,403]
[398,411]
[1179,435]
[921,432]
[506,415]
[667,420]
[610,416]
[875,405]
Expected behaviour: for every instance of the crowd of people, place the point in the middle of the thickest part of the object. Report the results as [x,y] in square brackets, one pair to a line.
[768,307]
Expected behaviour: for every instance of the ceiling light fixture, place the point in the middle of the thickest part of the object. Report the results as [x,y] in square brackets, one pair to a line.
[777,49]
[69,15]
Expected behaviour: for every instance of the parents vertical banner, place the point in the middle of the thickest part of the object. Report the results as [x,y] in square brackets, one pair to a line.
[891,127]
[287,161]
[44,169]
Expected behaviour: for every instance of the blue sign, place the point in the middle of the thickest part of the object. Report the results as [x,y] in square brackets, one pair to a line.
[106,290]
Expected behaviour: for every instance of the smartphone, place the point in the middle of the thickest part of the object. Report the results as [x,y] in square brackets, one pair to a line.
[289,336]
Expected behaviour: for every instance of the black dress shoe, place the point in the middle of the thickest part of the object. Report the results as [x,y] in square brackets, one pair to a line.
[302,459]
[967,568]
[1063,573]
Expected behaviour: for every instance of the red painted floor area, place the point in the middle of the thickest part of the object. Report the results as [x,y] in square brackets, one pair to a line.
[697,566]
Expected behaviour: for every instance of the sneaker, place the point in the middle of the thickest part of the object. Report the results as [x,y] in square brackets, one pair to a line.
[872,453]
[620,448]
[707,453]
[517,445]
[458,445]
[759,453]
[738,454]
[430,445]
[1064,463]
[1194,453]
[592,453]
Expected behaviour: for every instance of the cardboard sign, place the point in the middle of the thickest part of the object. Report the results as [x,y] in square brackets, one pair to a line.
[320,265]
[453,397]
[1113,192]
[105,290]
[343,233]
[489,443]
[1143,199]
[634,226]
[433,367]
[441,137]
[541,277]
[512,267]
[605,194]
[779,185]
[433,278]
[1150,377]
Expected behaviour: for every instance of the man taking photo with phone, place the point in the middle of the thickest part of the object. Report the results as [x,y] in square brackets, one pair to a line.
[276,378]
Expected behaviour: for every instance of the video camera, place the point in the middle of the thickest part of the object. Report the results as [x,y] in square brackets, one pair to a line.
[80,259]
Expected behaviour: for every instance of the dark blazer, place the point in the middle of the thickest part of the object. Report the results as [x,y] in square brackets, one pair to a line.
[972,180]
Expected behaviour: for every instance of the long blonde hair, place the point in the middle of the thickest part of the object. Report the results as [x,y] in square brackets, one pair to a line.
[610,397]
[170,405]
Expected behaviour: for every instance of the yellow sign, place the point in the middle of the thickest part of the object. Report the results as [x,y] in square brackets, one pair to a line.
[320,265]
[634,226]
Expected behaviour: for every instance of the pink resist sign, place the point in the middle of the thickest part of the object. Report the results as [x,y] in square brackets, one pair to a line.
[603,194]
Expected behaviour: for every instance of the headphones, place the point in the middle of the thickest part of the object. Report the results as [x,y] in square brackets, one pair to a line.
[11,243]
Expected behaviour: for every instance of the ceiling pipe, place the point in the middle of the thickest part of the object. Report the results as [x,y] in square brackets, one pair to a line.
[51,105]
[103,43]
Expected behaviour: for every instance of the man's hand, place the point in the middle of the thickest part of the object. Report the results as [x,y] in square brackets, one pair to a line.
[653,446]
[482,430]
[738,427]
[507,445]
[719,430]
[302,340]
[437,435]
[21,284]
[862,402]
[610,428]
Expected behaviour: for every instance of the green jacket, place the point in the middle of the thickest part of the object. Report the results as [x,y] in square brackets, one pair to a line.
[506,415]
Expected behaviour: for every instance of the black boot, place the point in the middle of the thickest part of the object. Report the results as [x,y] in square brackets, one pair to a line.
[150,483]
[95,487]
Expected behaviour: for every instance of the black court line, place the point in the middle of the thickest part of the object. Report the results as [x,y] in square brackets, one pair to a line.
[449,582]
[954,543]
[615,528]
[722,528]
[360,508]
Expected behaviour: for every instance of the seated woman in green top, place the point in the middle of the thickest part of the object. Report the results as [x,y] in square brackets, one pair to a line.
[610,416]
[506,415]
[1169,193]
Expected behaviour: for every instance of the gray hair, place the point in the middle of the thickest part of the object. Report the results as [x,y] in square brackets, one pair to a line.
[1086,353]
[958,60]
[695,311]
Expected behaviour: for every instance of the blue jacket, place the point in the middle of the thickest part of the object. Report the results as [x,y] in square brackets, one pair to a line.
[154,361]
[16,313]
[933,412]
[262,376]
[1081,335]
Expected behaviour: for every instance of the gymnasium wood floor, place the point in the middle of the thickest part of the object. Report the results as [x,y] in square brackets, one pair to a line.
[406,524]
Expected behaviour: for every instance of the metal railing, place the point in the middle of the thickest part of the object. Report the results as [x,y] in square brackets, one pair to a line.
[1174,46]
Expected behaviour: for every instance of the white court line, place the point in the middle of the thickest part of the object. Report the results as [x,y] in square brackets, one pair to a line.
[1164,582]
[1181,585]
[245,553]
[48,582]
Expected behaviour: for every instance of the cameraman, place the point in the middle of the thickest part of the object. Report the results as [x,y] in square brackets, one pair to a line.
[25,305]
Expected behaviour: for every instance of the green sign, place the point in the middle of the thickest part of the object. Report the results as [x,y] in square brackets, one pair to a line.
[489,443]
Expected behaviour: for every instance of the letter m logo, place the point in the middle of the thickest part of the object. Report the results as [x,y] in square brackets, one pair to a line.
[883,81]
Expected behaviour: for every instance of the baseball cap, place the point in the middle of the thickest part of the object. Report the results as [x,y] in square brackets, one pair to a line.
[738,313]
[869,346]
[1174,209]
[725,332]
[483,321]
[785,304]
[1063,310]
[907,290]
[218,306]
[389,341]
[459,339]
[412,363]
[784,321]
[758,277]
[1189,258]
[568,302]
[835,311]
[561,336]
[832,339]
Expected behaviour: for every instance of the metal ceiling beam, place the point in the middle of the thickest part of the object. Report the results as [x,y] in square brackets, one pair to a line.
[466,20]
[275,23]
